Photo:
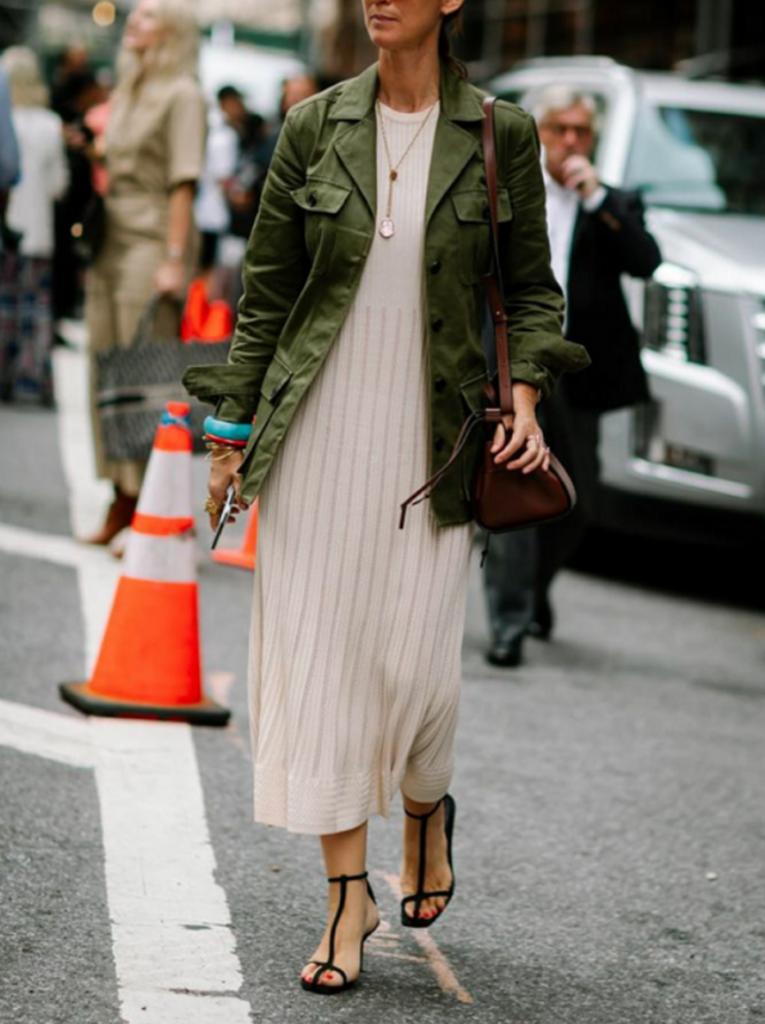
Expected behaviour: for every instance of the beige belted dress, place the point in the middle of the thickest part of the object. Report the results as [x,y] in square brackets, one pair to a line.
[155,140]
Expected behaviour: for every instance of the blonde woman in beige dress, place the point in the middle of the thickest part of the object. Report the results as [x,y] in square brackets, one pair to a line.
[153,151]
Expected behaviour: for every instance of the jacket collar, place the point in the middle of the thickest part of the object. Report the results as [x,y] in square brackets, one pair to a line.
[357,97]
[453,146]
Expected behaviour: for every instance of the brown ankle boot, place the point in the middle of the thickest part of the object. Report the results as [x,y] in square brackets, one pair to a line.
[119,516]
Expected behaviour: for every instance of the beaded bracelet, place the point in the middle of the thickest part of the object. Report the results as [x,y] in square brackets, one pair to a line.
[220,452]
[224,441]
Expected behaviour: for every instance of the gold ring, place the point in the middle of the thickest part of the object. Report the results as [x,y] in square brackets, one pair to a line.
[210,506]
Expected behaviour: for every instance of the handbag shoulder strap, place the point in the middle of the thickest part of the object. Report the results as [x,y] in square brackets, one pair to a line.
[492,283]
[144,331]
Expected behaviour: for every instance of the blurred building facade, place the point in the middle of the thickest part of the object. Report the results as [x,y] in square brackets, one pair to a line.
[724,38]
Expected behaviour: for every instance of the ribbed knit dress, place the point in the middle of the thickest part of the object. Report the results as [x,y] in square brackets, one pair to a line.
[357,625]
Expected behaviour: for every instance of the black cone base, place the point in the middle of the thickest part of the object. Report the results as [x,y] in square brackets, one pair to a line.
[206,712]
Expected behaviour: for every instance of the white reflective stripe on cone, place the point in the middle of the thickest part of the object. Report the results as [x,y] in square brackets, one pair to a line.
[170,559]
[166,487]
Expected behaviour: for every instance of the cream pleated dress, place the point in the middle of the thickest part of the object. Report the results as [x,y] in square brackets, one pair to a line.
[357,625]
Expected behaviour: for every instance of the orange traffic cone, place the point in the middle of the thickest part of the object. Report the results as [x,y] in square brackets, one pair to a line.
[204,320]
[242,557]
[149,664]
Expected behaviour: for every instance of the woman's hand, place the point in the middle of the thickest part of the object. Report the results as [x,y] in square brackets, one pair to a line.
[521,430]
[170,279]
[224,471]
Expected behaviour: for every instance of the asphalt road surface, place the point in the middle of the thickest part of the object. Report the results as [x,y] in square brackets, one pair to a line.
[610,840]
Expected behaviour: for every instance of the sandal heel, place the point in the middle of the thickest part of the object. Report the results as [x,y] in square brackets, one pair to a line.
[414,920]
[314,985]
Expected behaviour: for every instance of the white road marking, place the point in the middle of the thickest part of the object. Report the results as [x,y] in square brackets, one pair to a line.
[88,499]
[174,948]
[48,547]
[170,920]
[46,734]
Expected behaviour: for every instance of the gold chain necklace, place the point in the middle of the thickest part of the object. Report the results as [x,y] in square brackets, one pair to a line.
[387,227]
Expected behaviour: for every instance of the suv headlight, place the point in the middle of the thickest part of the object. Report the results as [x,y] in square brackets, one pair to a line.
[758,322]
[672,316]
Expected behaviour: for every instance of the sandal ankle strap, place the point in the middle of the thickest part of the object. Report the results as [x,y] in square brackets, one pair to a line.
[350,878]
[422,817]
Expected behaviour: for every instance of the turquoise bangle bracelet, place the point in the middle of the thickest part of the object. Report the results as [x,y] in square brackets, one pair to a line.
[231,431]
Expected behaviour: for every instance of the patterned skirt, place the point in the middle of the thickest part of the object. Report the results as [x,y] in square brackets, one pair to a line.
[26,327]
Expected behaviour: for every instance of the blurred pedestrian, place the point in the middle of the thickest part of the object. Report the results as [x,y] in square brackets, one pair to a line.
[597,233]
[26,325]
[83,93]
[154,153]
[10,172]
[294,91]
[210,207]
[9,149]
[358,348]
[72,65]
[245,184]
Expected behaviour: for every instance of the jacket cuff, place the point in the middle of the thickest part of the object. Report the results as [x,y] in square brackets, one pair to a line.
[230,388]
[233,411]
[543,365]
[534,374]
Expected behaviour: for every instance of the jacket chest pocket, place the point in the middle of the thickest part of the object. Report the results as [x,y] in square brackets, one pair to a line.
[471,207]
[321,202]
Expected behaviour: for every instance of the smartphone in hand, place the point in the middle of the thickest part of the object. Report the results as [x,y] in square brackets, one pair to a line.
[228,506]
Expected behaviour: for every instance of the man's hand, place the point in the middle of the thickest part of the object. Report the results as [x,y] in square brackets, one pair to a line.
[580,176]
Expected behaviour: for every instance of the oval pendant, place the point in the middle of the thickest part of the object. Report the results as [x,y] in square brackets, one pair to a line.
[387,228]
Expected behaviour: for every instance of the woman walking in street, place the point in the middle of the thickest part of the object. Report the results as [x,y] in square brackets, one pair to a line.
[26,284]
[358,345]
[154,155]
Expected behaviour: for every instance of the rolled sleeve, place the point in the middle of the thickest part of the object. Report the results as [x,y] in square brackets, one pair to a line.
[186,132]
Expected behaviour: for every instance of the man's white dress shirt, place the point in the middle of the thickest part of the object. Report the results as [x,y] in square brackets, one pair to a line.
[562,208]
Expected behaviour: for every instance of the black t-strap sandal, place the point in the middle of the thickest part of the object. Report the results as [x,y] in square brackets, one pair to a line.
[314,985]
[414,920]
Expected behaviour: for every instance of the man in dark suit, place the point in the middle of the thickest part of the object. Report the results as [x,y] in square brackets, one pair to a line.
[597,233]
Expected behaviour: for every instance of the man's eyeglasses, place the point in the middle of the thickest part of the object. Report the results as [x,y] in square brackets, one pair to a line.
[582,131]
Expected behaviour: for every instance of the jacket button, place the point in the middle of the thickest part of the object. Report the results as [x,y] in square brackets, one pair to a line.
[440,384]
[435,267]
[437,324]
[312,199]
[439,444]
[486,213]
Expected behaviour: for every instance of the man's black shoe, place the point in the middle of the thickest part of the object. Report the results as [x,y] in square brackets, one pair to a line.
[506,653]
[542,626]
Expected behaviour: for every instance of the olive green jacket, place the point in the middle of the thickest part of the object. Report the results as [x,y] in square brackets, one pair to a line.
[311,238]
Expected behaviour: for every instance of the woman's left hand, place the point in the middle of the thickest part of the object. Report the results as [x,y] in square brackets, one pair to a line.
[521,433]
[170,279]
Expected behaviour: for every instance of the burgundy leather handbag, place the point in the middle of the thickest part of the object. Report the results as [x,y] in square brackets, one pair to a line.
[502,499]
